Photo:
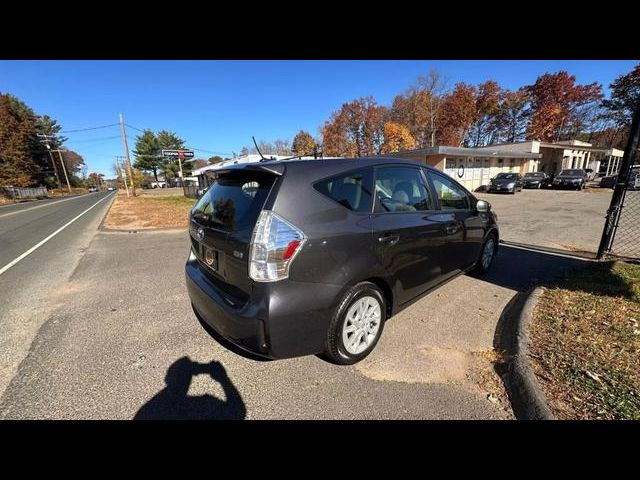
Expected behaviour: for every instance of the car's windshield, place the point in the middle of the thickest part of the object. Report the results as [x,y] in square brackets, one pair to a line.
[572,172]
[534,175]
[506,176]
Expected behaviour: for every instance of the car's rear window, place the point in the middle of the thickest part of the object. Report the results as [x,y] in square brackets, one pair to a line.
[351,190]
[233,200]
[506,176]
[572,172]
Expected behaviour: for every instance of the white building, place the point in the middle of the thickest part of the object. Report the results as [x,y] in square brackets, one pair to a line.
[204,181]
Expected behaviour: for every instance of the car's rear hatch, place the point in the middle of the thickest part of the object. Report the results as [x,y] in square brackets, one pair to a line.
[222,223]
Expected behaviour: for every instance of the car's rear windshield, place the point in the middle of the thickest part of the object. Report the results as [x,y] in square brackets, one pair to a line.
[573,172]
[506,176]
[534,174]
[234,200]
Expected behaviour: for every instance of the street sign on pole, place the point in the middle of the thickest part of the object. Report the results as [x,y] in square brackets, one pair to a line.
[180,155]
[174,154]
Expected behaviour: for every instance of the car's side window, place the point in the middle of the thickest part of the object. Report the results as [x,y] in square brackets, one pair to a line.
[351,190]
[451,195]
[401,189]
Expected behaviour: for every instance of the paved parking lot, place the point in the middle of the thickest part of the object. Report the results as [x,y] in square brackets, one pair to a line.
[559,219]
[120,341]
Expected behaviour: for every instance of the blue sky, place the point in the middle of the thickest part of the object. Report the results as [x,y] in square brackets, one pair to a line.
[218,105]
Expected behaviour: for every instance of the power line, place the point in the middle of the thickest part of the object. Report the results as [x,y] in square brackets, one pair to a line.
[98,139]
[90,128]
[209,151]
[135,128]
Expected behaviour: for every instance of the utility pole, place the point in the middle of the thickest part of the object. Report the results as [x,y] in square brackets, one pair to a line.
[64,169]
[45,139]
[124,179]
[126,151]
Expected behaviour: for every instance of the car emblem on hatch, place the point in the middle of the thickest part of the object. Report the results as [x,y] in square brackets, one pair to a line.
[200,234]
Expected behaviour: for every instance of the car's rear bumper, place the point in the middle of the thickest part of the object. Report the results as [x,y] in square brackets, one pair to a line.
[280,320]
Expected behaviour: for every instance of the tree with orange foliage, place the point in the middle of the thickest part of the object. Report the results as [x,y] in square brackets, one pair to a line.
[397,138]
[458,114]
[487,107]
[16,139]
[355,130]
[555,102]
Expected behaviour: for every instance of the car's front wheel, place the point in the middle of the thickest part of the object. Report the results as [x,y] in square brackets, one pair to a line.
[487,254]
[357,324]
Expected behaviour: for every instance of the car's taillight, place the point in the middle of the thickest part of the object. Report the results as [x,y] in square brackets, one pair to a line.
[274,245]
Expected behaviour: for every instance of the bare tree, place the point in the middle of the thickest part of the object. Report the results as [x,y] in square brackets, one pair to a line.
[435,85]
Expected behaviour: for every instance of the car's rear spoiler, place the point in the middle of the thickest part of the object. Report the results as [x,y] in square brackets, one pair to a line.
[274,168]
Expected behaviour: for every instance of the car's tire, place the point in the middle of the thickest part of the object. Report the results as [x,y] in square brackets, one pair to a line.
[483,265]
[347,323]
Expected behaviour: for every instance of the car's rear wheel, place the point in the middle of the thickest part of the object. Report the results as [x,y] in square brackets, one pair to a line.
[357,324]
[487,254]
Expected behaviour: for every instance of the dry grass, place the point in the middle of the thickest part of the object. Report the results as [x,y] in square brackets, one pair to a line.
[585,343]
[144,212]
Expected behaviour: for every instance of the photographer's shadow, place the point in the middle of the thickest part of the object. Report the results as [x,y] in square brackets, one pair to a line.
[173,403]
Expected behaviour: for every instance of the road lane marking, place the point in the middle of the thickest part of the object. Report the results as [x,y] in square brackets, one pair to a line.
[39,206]
[42,242]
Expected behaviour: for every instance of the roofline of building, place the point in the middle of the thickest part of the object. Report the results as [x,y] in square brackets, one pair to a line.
[485,152]
[561,146]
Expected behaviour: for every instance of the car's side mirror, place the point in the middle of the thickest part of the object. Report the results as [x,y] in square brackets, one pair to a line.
[483,206]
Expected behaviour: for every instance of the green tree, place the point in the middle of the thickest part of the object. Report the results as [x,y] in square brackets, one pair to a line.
[147,153]
[625,95]
[303,143]
[215,159]
[168,140]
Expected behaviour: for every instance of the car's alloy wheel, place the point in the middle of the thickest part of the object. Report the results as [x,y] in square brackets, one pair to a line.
[357,324]
[487,254]
[361,325]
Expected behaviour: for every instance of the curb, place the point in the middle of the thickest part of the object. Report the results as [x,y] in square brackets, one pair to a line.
[526,396]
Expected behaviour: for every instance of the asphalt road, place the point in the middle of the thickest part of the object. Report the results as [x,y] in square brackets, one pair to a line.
[27,282]
[120,341]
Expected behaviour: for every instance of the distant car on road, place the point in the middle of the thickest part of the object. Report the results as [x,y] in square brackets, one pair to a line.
[506,182]
[110,188]
[534,179]
[574,178]
[93,189]
[305,257]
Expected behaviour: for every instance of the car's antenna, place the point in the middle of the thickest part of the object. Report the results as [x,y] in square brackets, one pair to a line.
[262,159]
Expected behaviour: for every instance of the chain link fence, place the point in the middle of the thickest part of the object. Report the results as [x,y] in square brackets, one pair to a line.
[625,240]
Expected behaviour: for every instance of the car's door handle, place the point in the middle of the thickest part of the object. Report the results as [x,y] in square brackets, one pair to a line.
[389,239]
[451,228]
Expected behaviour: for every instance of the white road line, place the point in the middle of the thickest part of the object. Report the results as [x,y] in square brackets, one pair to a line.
[42,242]
[55,202]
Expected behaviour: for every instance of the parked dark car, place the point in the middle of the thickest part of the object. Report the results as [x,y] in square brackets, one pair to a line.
[506,182]
[534,179]
[608,182]
[548,181]
[301,257]
[571,178]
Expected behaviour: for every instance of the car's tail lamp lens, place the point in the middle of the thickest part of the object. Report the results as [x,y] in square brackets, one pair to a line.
[274,245]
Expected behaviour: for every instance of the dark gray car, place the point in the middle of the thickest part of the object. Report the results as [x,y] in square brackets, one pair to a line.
[573,178]
[506,182]
[303,257]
